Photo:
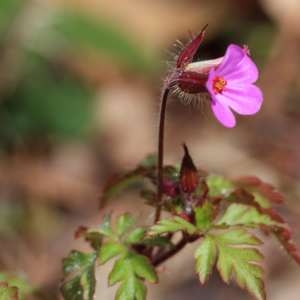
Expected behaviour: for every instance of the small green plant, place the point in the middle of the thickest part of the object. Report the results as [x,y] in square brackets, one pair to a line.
[221,215]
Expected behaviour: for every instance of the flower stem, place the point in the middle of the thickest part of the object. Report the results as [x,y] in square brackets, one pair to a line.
[160,164]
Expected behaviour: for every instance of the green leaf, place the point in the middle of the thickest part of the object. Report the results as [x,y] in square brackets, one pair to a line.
[206,255]
[64,113]
[132,288]
[132,179]
[238,257]
[8,292]
[9,9]
[110,250]
[130,270]
[143,268]
[173,225]
[204,216]
[136,236]
[125,223]
[240,214]
[120,271]
[13,280]
[219,185]
[79,269]
[105,228]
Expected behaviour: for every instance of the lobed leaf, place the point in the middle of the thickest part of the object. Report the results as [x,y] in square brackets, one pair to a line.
[206,255]
[240,214]
[130,270]
[219,185]
[243,262]
[143,268]
[136,236]
[110,250]
[264,193]
[125,223]
[79,269]
[173,225]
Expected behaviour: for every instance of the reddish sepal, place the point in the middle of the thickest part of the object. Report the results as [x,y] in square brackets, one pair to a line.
[188,53]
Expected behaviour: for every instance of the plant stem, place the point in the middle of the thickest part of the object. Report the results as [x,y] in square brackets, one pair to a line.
[156,261]
[160,164]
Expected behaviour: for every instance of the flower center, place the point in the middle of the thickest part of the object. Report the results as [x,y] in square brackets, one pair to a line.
[219,84]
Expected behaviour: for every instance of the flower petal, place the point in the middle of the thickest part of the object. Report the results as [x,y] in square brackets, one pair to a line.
[243,99]
[233,56]
[238,66]
[244,71]
[223,113]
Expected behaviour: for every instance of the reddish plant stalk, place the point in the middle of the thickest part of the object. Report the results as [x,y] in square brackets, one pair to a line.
[160,163]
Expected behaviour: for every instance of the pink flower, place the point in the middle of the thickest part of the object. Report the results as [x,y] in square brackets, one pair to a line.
[231,86]
[229,80]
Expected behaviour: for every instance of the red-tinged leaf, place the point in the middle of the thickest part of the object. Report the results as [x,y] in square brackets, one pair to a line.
[284,235]
[189,177]
[238,256]
[268,191]
[242,196]
[117,184]
[190,50]
[80,232]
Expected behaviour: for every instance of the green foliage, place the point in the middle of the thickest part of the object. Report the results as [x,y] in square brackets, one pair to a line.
[173,225]
[204,216]
[218,215]
[219,185]
[14,287]
[129,271]
[239,214]
[136,236]
[119,184]
[9,9]
[45,103]
[233,258]
[125,223]
[110,250]
[8,292]
[109,242]
[206,255]
[79,269]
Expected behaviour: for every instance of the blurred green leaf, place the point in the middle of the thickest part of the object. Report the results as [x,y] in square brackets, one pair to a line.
[8,10]
[46,102]
[204,216]
[125,223]
[219,185]
[79,269]
[11,285]
[8,292]
[136,236]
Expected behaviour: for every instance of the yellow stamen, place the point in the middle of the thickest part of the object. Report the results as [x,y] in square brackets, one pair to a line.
[219,84]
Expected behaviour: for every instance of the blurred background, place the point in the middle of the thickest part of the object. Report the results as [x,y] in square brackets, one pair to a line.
[80,82]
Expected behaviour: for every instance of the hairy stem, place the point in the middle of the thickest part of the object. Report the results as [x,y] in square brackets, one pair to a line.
[160,165]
